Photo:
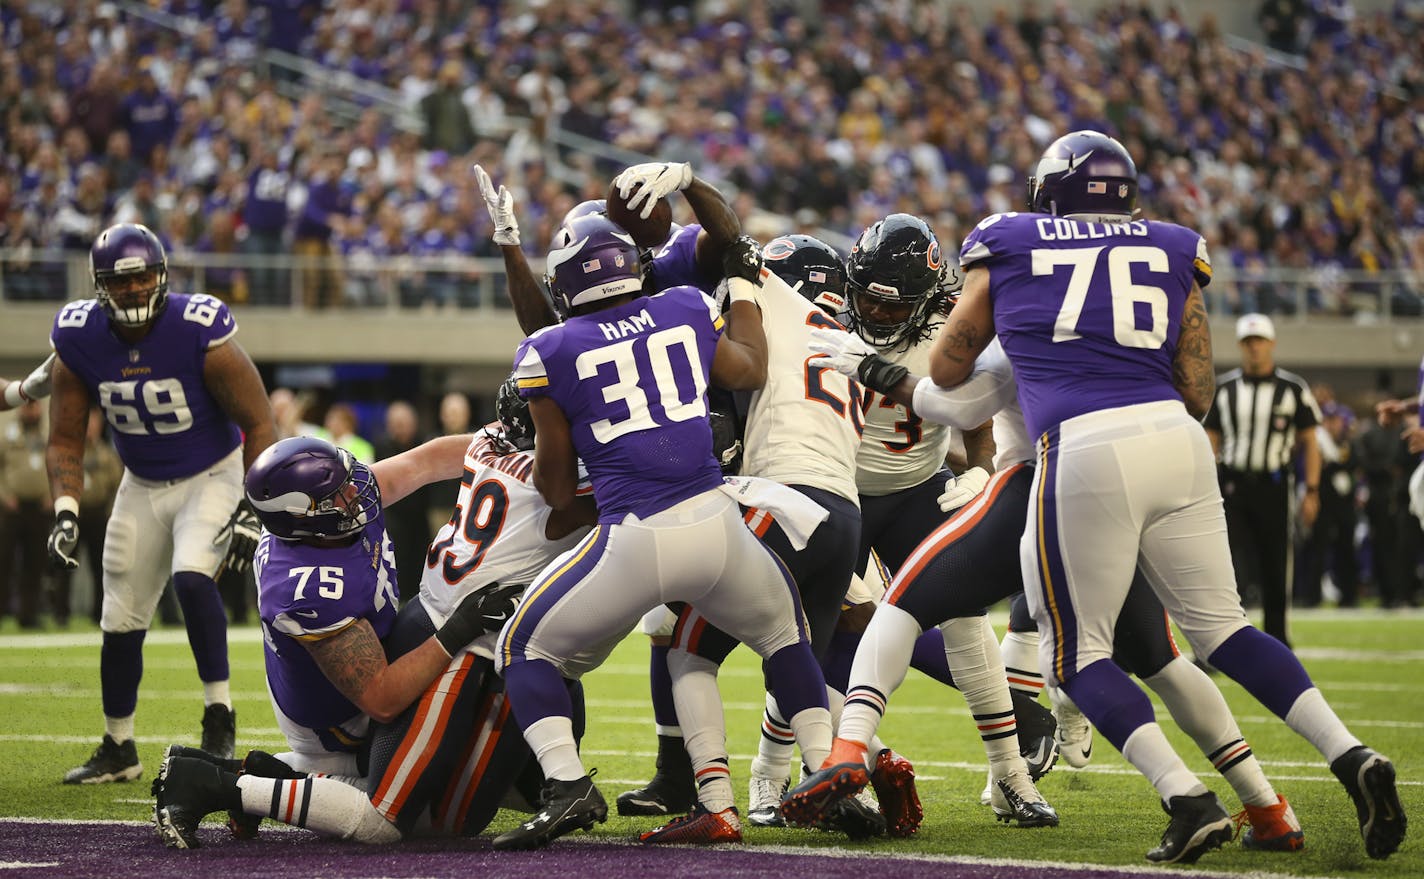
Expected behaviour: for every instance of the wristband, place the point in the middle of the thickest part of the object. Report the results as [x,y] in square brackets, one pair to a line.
[66,504]
[881,375]
[15,394]
[742,290]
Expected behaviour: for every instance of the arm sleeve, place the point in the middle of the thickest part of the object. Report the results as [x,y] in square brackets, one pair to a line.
[989,388]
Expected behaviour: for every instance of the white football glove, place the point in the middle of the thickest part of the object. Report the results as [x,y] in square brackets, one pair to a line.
[34,386]
[839,350]
[501,209]
[651,181]
[960,490]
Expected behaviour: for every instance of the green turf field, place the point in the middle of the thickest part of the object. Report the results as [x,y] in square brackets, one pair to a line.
[1370,664]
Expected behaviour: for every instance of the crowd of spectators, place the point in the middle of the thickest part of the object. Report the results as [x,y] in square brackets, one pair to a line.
[1306,155]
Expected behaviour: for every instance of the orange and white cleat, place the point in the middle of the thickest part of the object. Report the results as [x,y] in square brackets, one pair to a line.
[1273,828]
[701,827]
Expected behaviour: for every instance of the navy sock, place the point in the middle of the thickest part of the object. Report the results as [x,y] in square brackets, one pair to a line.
[536,691]
[1109,698]
[1265,667]
[928,656]
[120,670]
[206,620]
[840,654]
[660,684]
[797,678]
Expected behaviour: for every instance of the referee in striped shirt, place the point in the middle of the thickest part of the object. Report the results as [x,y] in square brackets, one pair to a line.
[1261,418]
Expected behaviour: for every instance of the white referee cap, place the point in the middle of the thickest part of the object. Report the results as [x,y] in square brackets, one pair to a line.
[1255,325]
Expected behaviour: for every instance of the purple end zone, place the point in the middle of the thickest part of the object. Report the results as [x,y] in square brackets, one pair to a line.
[131,851]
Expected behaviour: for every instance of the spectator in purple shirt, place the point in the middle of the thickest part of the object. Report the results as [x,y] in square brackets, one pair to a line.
[150,116]
[326,205]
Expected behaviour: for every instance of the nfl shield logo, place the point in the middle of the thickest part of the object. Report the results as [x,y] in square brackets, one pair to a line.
[592,265]
[1122,190]
[133,355]
[618,260]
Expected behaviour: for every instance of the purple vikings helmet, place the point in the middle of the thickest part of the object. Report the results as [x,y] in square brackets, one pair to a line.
[592,259]
[307,487]
[584,208]
[120,253]
[1084,175]
[512,411]
[811,267]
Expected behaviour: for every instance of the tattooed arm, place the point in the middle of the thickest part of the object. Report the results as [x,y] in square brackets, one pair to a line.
[1193,375]
[966,334]
[68,420]
[355,662]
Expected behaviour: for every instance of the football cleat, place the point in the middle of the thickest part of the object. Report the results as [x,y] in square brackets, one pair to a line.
[185,791]
[1015,800]
[1198,824]
[199,754]
[807,802]
[563,806]
[265,765]
[240,824]
[1273,828]
[986,796]
[219,731]
[1037,731]
[1074,735]
[894,781]
[858,817]
[700,827]
[661,796]
[1368,777]
[764,801]
[110,761]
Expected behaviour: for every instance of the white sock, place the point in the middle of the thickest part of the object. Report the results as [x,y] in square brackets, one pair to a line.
[979,672]
[552,741]
[878,670]
[813,735]
[1200,710]
[704,729]
[1020,654]
[120,729]
[776,743]
[325,805]
[1313,718]
[216,693]
[1148,750]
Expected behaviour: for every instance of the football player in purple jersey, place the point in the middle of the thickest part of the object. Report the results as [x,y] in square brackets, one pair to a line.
[189,415]
[34,386]
[326,595]
[1102,318]
[621,386]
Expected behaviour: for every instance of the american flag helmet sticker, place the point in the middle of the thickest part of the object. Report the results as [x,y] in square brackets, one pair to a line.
[592,265]
[1097,187]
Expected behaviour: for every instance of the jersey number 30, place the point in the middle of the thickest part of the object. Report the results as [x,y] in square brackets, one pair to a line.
[627,388]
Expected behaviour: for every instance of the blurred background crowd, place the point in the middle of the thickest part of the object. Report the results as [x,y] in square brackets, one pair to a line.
[347,127]
[252,133]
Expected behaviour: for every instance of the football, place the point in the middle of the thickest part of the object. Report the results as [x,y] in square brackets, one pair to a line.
[646,233]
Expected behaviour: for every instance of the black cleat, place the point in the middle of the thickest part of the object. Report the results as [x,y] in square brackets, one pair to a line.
[661,796]
[854,817]
[111,761]
[563,806]
[264,765]
[1368,777]
[1015,800]
[241,824]
[1198,824]
[199,754]
[1036,726]
[219,731]
[185,791]
[808,802]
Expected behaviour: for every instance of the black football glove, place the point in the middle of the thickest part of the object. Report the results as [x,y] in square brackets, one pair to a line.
[241,532]
[485,610]
[743,259]
[64,542]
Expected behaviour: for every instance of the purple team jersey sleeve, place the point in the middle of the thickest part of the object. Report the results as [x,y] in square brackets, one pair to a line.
[1107,298]
[307,593]
[165,423]
[632,381]
[675,263]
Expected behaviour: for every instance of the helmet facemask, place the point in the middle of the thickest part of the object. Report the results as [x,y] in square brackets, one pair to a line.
[127,305]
